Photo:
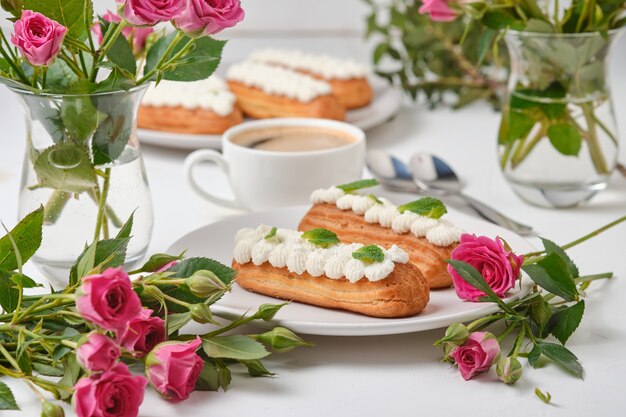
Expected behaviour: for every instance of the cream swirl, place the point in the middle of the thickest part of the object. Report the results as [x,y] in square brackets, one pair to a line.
[288,249]
[436,231]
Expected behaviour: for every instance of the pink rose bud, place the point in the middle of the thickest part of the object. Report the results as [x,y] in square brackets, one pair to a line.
[174,367]
[38,38]
[150,12]
[477,354]
[113,393]
[509,370]
[98,353]
[49,409]
[138,35]
[439,10]
[108,300]
[206,17]
[143,333]
[499,267]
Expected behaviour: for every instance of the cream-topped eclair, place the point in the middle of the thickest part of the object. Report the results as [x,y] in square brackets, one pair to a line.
[198,107]
[416,227]
[347,78]
[268,91]
[315,268]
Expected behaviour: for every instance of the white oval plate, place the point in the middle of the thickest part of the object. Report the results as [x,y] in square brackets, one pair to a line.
[386,103]
[216,241]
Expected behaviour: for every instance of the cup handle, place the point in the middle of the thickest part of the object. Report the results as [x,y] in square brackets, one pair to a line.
[208,155]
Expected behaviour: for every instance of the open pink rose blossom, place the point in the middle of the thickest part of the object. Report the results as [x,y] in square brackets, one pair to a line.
[98,353]
[476,355]
[143,333]
[499,267]
[108,299]
[113,393]
[150,12]
[439,10]
[38,38]
[206,17]
[174,367]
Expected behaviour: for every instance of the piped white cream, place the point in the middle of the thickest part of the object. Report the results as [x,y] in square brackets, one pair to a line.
[436,231]
[289,249]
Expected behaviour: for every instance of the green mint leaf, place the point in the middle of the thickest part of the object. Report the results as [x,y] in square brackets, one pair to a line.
[565,138]
[7,400]
[358,185]
[543,397]
[70,13]
[375,199]
[564,322]
[369,254]
[562,357]
[27,237]
[237,347]
[271,234]
[552,274]
[321,237]
[427,206]
[552,247]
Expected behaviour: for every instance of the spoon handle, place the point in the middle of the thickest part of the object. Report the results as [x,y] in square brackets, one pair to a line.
[494,216]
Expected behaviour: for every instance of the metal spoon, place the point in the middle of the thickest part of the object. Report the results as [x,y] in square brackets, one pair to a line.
[431,174]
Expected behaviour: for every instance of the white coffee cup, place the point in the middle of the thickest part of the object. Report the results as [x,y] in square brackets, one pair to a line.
[262,179]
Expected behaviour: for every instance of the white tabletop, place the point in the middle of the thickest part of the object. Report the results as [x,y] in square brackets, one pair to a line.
[399,375]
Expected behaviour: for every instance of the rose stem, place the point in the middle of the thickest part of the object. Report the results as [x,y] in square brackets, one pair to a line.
[102,204]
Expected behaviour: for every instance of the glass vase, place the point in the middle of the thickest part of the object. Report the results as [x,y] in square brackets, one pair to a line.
[558,141]
[83,165]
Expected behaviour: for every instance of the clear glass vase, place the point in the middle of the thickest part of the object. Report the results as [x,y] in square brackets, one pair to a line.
[558,141]
[83,164]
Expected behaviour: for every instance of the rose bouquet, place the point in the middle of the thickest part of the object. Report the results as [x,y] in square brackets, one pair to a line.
[534,326]
[101,340]
[77,74]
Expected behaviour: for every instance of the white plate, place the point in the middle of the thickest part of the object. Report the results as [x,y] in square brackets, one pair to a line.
[386,103]
[216,241]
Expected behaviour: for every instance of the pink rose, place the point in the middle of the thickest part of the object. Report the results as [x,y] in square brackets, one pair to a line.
[138,35]
[38,38]
[205,17]
[477,354]
[113,393]
[143,333]
[150,12]
[108,299]
[439,10]
[174,367]
[99,353]
[499,267]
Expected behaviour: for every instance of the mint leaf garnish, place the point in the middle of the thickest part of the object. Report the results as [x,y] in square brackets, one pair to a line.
[321,237]
[358,185]
[427,206]
[369,254]
[376,200]
[271,234]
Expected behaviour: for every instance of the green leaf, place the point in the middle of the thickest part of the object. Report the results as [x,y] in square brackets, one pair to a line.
[543,397]
[176,321]
[268,311]
[13,6]
[8,293]
[499,20]
[24,281]
[209,379]
[565,138]
[256,368]
[121,53]
[552,274]
[234,347]
[69,13]
[473,277]
[321,237]
[112,134]
[562,357]
[427,206]
[157,261]
[65,167]
[87,261]
[197,64]
[113,251]
[539,26]
[187,267]
[127,228]
[60,76]
[27,237]
[71,373]
[271,234]
[540,313]
[552,247]
[47,370]
[518,125]
[7,400]
[369,254]
[358,185]
[78,115]
[117,80]
[564,322]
